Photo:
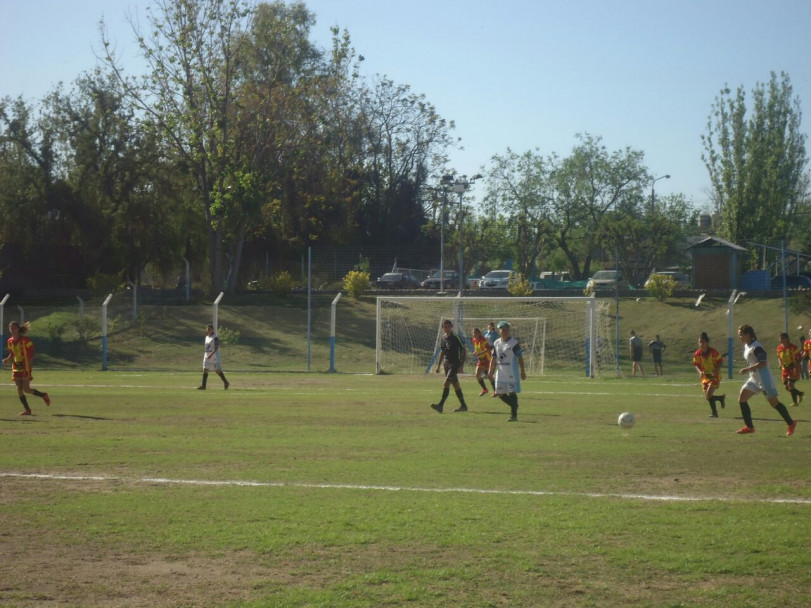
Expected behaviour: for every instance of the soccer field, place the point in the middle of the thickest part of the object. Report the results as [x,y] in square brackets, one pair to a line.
[134,489]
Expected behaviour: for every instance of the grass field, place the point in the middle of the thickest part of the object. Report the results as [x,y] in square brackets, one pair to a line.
[348,490]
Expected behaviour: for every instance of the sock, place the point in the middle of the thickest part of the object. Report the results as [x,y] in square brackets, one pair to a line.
[445,393]
[747,414]
[24,401]
[794,394]
[222,375]
[781,409]
[712,401]
[461,398]
[36,393]
[482,384]
[205,379]
[513,403]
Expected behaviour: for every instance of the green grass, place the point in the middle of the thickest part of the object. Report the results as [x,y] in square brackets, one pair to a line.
[359,495]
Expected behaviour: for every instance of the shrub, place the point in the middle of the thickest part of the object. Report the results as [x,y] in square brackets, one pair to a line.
[661,286]
[356,283]
[228,336]
[281,284]
[520,287]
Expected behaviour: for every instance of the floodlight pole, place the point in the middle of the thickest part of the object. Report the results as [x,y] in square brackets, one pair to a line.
[459,186]
[652,193]
[447,180]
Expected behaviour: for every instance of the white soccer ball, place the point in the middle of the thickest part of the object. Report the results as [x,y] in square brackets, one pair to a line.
[626,420]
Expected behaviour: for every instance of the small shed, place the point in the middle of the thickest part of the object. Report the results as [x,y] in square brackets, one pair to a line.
[716,263]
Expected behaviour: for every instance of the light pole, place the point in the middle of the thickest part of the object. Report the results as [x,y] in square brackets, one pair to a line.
[460,185]
[447,180]
[652,193]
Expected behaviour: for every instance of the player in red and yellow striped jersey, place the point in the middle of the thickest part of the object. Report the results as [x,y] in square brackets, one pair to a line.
[21,353]
[708,361]
[789,356]
[481,350]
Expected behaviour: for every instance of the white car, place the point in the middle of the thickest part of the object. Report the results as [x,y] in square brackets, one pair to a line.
[498,279]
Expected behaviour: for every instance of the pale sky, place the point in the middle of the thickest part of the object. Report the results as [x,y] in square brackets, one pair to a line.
[516,74]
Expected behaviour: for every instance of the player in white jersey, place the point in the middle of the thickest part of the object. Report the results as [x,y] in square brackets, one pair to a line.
[760,380]
[507,368]
[211,359]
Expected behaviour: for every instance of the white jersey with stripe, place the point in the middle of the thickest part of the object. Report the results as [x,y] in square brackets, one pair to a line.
[508,373]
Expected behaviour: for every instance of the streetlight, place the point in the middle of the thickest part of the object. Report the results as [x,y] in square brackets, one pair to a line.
[652,194]
[459,186]
[447,180]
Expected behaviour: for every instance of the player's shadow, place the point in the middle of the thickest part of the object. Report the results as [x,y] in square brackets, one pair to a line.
[82,417]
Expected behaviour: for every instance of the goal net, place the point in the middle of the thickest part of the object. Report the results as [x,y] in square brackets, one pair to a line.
[557,335]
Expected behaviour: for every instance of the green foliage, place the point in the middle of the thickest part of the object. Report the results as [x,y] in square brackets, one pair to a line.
[356,283]
[281,283]
[228,336]
[661,286]
[102,284]
[520,286]
[757,161]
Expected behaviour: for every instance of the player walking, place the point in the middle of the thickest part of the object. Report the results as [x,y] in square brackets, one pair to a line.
[211,359]
[790,358]
[481,348]
[760,381]
[708,362]
[507,368]
[453,353]
[21,353]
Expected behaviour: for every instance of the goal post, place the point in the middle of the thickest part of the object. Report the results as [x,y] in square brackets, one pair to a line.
[558,335]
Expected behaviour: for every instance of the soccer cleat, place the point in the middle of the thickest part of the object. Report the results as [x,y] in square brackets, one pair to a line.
[723,399]
[512,419]
[436,407]
[46,398]
[26,413]
[800,398]
[226,385]
[483,392]
[713,415]
[461,408]
[745,430]
[493,396]
[791,428]
[201,388]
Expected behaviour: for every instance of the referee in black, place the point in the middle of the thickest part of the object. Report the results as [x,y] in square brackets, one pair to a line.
[453,353]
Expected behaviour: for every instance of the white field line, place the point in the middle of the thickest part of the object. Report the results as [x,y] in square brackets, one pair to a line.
[339,486]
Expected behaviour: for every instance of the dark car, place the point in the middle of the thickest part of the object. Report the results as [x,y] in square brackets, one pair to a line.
[398,280]
[451,280]
[793,281]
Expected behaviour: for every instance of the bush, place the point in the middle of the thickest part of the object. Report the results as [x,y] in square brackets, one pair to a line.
[661,286]
[281,284]
[228,336]
[356,283]
[520,287]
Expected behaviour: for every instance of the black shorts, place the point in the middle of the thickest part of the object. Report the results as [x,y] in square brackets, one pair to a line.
[636,355]
[451,371]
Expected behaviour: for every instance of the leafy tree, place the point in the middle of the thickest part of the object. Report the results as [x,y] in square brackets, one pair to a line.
[757,161]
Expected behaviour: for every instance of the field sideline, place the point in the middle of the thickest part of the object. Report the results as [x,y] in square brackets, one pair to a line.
[134,489]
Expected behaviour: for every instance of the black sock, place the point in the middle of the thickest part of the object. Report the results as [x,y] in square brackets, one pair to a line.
[513,403]
[24,401]
[781,409]
[747,414]
[224,381]
[482,384]
[445,393]
[36,393]
[461,397]
[712,401]
[205,379]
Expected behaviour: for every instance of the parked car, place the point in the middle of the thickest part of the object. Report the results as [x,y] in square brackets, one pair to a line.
[451,280]
[793,281]
[498,279]
[606,281]
[681,279]
[398,280]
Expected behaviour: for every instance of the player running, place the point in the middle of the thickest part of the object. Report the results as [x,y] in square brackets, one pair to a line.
[21,353]
[790,358]
[760,381]
[708,361]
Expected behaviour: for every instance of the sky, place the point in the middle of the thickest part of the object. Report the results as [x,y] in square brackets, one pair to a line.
[513,74]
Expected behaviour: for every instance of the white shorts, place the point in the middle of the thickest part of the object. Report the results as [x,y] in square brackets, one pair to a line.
[753,387]
[212,364]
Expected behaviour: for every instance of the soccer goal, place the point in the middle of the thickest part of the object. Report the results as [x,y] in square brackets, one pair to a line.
[557,335]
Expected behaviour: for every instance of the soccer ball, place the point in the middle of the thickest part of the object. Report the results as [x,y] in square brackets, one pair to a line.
[626,420]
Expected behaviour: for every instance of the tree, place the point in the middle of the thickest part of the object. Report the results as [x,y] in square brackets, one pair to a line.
[757,161]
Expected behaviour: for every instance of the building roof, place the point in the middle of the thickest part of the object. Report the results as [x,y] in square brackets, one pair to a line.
[716,241]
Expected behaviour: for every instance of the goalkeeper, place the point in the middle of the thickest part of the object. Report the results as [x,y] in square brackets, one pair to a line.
[453,353]
[504,368]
